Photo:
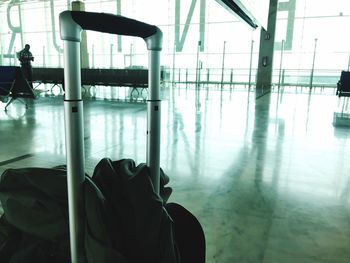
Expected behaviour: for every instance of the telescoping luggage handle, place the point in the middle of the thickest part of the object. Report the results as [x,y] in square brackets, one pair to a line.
[71,25]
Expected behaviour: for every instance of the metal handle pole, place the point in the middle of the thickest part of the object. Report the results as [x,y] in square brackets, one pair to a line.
[73,107]
[71,25]
[154,118]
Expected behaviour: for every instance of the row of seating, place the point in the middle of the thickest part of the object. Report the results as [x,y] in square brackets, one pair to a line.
[343,85]
[94,77]
[13,85]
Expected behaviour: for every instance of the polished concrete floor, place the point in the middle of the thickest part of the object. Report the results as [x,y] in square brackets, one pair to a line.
[269,179]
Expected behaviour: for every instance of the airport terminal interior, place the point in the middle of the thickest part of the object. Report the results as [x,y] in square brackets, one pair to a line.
[255,128]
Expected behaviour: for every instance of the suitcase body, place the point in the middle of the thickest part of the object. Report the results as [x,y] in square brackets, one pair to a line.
[71,25]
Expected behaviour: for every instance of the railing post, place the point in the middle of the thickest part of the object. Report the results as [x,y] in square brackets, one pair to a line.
[313,65]
[2,55]
[111,56]
[44,60]
[223,64]
[199,71]
[14,61]
[208,75]
[279,77]
[131,54]
[59,59]
[93,56]
[173,71]
[197,61]
[250,65]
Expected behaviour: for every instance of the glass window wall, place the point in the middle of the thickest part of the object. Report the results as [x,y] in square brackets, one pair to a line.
[199,37]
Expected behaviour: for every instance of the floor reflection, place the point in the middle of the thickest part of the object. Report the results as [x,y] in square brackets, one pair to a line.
[268,178]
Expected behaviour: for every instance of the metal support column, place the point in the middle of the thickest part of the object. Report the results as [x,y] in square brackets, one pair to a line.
[266,51]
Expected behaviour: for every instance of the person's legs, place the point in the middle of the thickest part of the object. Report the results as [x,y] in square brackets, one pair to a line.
[28,74]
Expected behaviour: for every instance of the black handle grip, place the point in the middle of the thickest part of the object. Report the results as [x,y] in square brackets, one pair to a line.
[113,24]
